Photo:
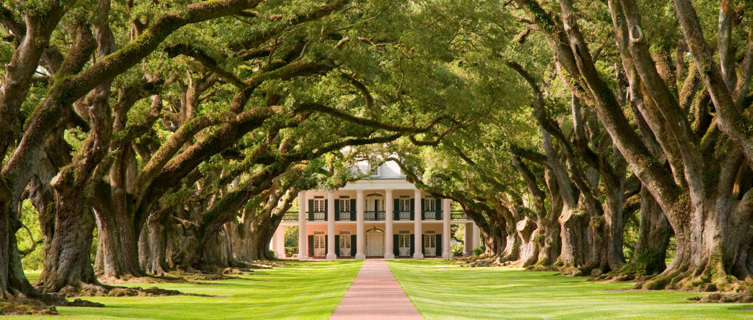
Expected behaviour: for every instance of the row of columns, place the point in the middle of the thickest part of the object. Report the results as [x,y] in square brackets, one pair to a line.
[388,230]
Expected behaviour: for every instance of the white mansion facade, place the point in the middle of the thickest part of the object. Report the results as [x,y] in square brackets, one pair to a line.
[382,216]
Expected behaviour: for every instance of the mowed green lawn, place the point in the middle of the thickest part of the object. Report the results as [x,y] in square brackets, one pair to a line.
[441,290]
[299,290]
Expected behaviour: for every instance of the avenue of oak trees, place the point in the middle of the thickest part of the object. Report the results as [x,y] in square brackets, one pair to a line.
[175,135]
[636,111]
[182,131]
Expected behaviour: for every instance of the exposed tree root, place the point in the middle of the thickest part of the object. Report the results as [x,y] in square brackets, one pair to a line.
[479,261]
[26,306]
[542,267]
[718,297]
[43,304]
[638,270]
[723,288]
[101,290]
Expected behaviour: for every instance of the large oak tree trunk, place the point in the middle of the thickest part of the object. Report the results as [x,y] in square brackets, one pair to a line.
[215,252]
[67,263]
[152,253]
[714,243]
[249,240]
[117,254]
[614,228]
[495,240]
[13,282]
[572,228]
[549,235]
[119,232]
[549,224]
[182,249]
[653,238]
[512,247]
[528,231]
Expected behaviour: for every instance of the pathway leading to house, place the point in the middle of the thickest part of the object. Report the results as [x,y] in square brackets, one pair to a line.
[375,294]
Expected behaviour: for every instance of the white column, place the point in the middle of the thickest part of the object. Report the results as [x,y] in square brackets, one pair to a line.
[389,253]
[273,243]
[476,240]
[359,226]
[331,226]
[302,217]
[446,250]
[467,242]
[278,242]
[417,221]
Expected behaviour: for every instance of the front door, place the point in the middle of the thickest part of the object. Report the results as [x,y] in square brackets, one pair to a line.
[430,245]
[344,245]
[404,244]
[374,243]
[320,248]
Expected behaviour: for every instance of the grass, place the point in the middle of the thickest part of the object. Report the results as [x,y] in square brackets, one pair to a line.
[298,290]
[441,290]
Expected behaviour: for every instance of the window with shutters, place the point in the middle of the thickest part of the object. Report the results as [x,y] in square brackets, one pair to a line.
[404,209]
[345,242]
[430,241]
[318,205]
[344,207]
[404,240]
[319,209]
[404,205]
[430,208]
[430,245]
[320,245]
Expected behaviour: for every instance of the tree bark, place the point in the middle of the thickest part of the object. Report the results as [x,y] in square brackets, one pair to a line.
[549,225]
[529,249]
[653,238]
[154,261]
[13,282]
[67,263]
[118,246]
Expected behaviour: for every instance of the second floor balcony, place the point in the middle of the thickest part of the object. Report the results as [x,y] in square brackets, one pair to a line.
[317,216]
[373,216]
[379,215]
[345,216]
[432,215]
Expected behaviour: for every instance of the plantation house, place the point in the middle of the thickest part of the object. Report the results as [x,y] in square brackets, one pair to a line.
[381,216]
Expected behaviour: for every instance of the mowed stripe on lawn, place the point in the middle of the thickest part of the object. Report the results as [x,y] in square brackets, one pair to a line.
[298,290]
[442,290]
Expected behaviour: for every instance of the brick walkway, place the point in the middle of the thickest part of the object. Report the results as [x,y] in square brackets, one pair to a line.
[375,294]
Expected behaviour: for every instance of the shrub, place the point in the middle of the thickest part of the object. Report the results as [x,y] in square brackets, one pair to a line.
[478,251]
[457,249]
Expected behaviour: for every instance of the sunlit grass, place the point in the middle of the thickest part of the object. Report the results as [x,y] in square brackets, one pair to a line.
[299,290]
[441,290]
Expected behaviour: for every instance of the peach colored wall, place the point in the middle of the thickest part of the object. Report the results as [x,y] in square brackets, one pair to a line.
[349,227]
[311,228]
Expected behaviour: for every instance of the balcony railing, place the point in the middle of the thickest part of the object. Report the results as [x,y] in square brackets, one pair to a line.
[431,215]
[345,215]
[373,216]
[316,216]
[404,216]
